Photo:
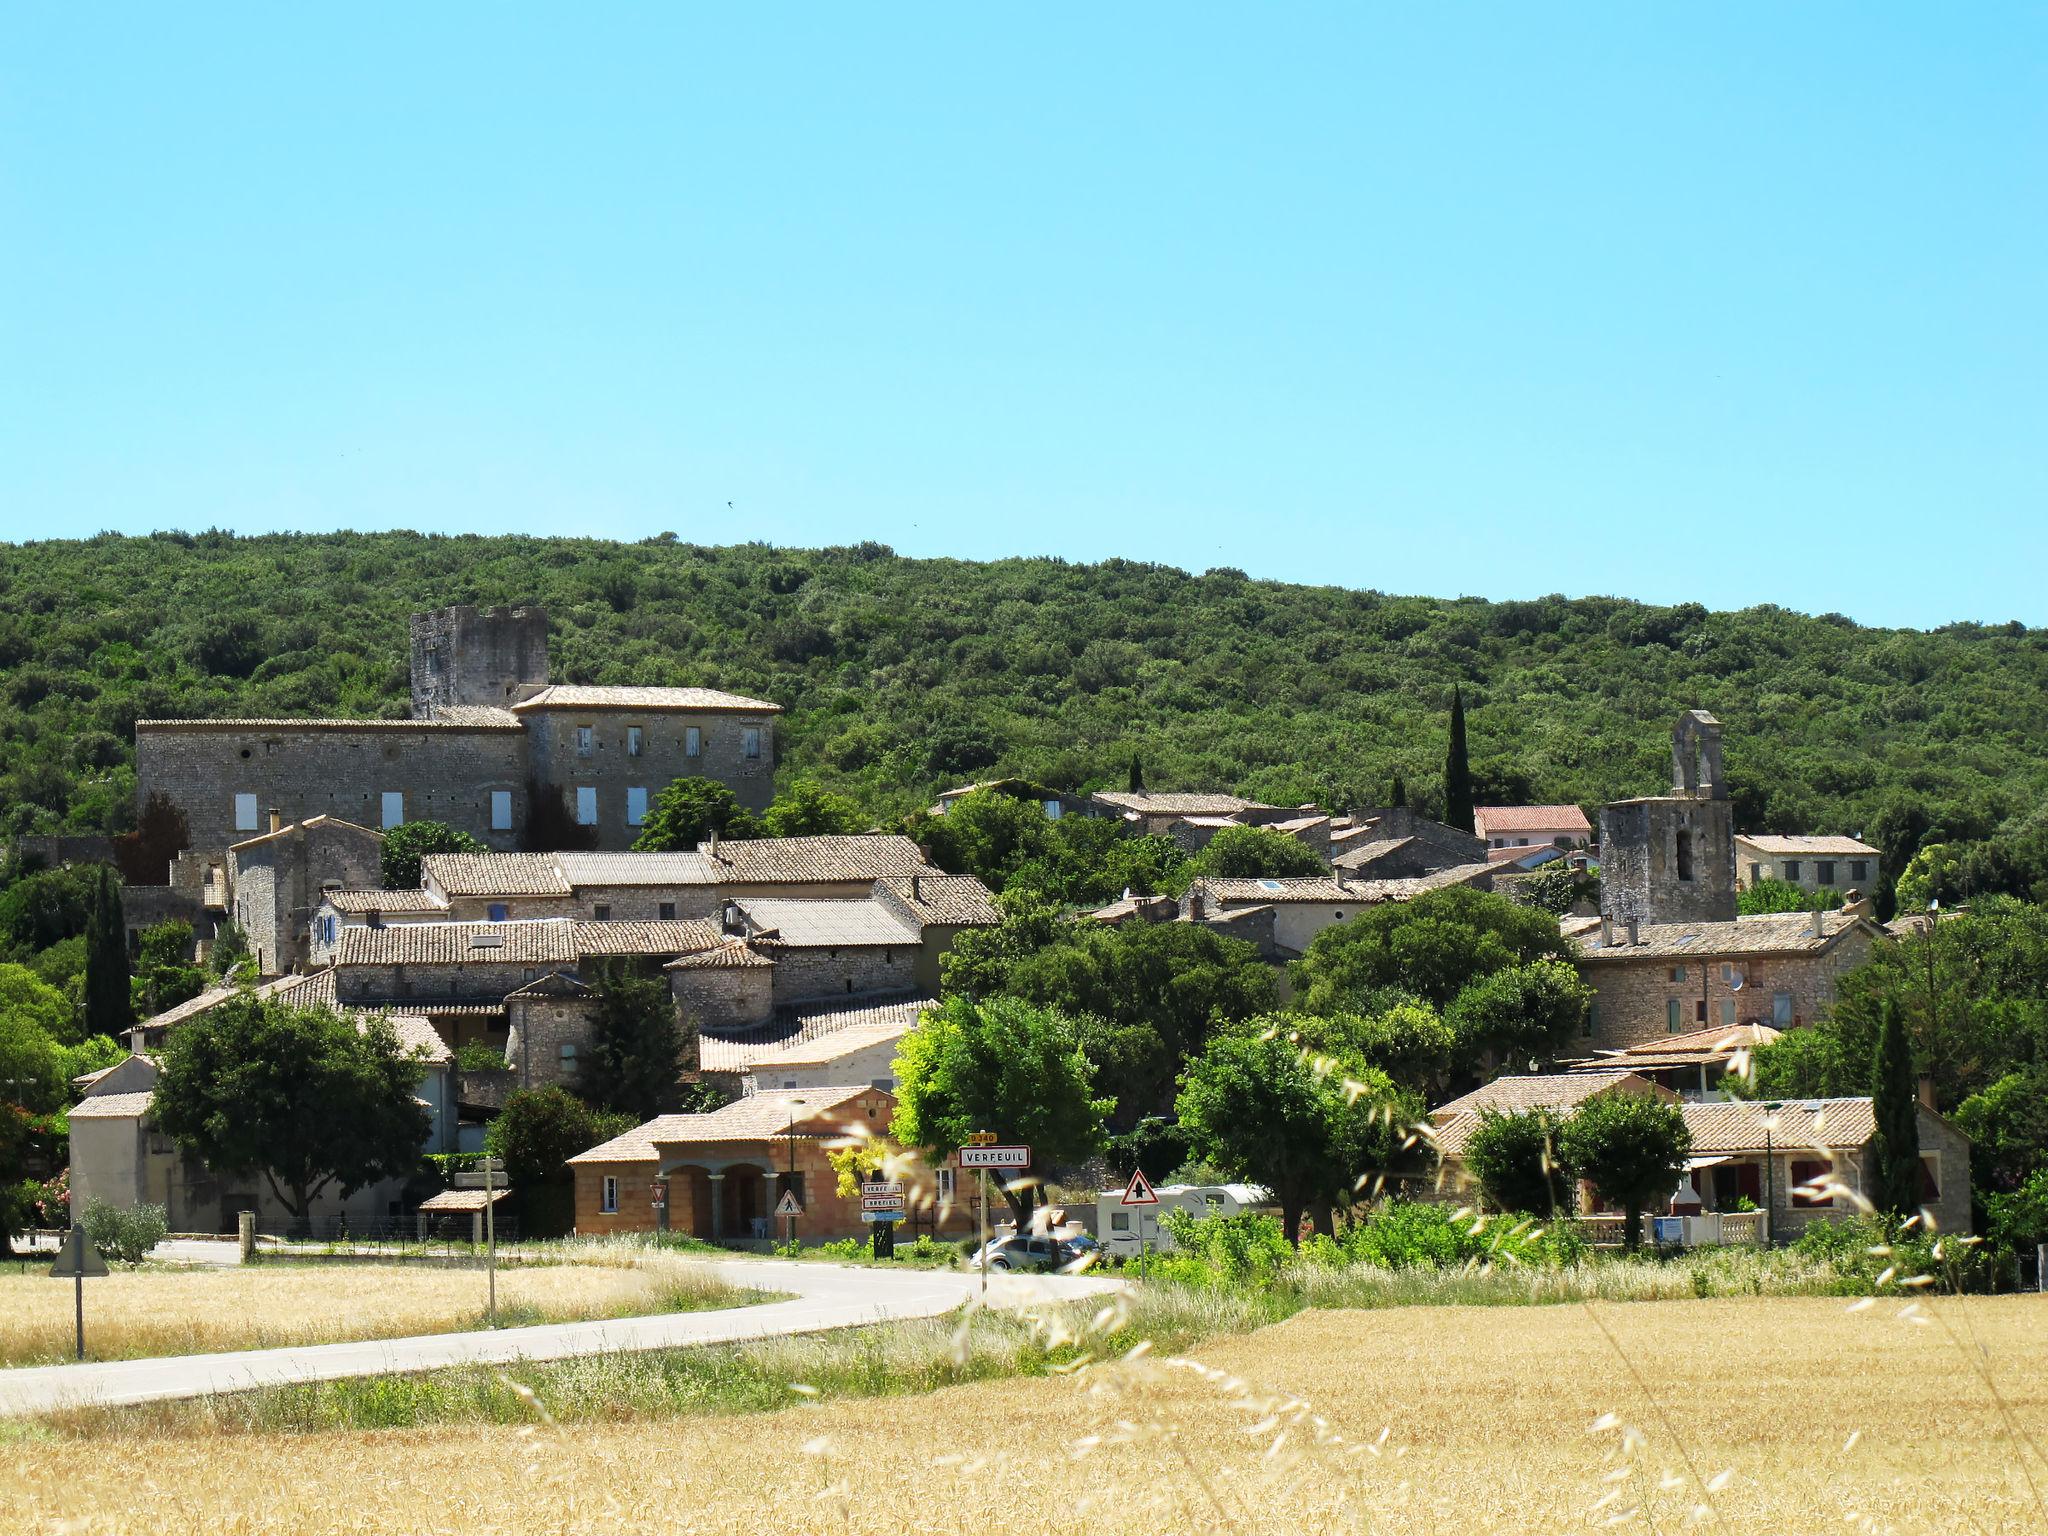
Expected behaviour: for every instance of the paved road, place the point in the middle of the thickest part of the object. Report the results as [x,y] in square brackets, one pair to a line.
[825,1296]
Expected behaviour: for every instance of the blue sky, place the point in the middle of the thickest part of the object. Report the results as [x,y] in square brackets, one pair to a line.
[1723,304]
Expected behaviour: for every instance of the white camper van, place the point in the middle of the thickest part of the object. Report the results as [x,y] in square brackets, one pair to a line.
[1121,1228]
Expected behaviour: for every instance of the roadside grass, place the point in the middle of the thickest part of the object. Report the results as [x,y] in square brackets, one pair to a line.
[148,1311]
[1760,1415]
[888,1360]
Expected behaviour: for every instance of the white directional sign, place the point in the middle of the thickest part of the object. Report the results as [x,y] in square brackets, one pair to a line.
[995,1157]
[788,1205]
[881,1197]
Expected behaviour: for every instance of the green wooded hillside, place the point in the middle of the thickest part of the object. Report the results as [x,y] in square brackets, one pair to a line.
[901,676]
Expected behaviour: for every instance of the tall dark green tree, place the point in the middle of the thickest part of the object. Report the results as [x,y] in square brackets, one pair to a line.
[635,1060]
[109,1008]
[1458,770]
[1895,1149]
[1137,775]
[1397,796]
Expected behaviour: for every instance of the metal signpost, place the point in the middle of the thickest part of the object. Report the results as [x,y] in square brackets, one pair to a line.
[484,1176]
[981,1154]
[790,1207]
[1140,1192]
[75,1261]
[881,1203]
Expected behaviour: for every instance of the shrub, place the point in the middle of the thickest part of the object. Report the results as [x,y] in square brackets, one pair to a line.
[1860,1249]
[475,1056]
[1246,1249]
[1409,1235]
[124,1233]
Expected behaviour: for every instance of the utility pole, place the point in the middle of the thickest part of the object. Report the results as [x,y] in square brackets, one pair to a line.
[491,1233]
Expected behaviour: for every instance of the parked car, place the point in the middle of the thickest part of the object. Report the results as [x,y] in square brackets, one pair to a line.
[1033,1252]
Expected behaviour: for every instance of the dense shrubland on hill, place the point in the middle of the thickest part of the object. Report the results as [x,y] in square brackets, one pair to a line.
[904,675]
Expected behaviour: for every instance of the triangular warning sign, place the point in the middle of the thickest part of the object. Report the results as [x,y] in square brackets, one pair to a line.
[787,1205]
[77,1259]
[1139,1190]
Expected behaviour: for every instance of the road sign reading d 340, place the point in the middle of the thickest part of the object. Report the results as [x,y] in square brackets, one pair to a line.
[995,1157]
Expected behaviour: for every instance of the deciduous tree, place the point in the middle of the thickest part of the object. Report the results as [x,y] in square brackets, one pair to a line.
[634,1064]
[409,842]
[688,811]
[1632,1148]
[1518,1161]
[302,1097]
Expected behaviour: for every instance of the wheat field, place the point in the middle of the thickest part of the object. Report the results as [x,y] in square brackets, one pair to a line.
[138,1312]
[1766,1415]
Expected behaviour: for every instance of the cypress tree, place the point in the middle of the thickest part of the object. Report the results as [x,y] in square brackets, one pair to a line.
[1457,770]
[1895,1149]
[109,1008]
[1137,775]
[1397,797]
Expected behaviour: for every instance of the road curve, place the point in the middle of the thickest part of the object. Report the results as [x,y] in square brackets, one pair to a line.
[822,1297]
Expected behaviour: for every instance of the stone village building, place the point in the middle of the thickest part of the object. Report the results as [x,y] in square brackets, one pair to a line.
[1669,955]
[488,732]
[1771,1156]
[1811,863]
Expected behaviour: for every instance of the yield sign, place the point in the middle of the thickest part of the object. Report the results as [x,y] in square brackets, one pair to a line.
[787,1205]
[1139,1190]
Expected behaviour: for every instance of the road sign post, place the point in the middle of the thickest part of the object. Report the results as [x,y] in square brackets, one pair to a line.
[75,1261]
[790,1208]
[491,1166]
[1139,1192]
[981,1153]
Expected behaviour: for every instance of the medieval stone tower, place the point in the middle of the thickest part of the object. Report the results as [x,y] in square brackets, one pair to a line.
[461,655]
[1671,858]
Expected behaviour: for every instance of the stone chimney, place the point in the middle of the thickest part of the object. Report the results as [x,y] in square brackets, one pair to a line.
[137,1037]
[1343,877]
[276,820]
[1856,904]
[1197,906]
[1635,931]
[711,848]
[729,919]
[1813,922]
[917,887]
[1926,1094]
[1607,930]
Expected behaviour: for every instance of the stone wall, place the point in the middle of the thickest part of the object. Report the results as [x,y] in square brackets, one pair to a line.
[463,656]
[721,998]
[1670,859]
[306,769]
[278,884]
[469,982]
[541,1028]
[1633,997]
[805,974]
[611,767]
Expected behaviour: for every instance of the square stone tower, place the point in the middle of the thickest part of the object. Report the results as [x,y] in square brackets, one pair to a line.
[1671,858]
[460,655]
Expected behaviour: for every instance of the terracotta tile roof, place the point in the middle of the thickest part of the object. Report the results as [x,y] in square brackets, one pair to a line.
[1545,1090]
[1772,933]
[1811,847]
[804,1025]
[292,829]
[586,696]
[834,1047]
[1357,855]
[1145,804]
[757,1117]
[1493,820]
[948,900]
[475,714]
[411,900]
[112,1106]
[733,954]
[1299,825]
[535,941]
[463,1199]
[281,724]
[1701,1048]
[494,874]
[861,856]
[416,1035]
[688,936]
[827,924]
[1316,888]
[1736,1126]
[633,867]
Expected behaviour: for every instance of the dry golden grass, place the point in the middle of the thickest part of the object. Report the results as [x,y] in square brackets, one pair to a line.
[137,1312]
[1764,1416]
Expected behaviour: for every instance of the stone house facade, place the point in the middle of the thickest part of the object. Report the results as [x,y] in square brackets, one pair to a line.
[719,1176]
[1811,863]
[488,727]
[281,879]
[1668,979]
